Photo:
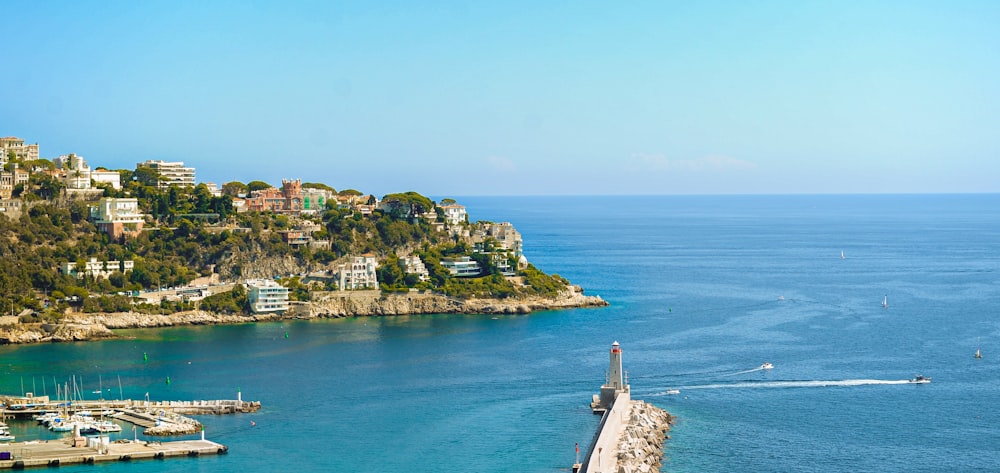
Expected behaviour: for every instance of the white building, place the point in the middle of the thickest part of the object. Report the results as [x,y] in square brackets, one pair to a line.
[78,173]
[454,214]
[267,296]
[118,217]
[97,269]
[462,266]
[171,173]
[114,178]
[360,274]
[413,265]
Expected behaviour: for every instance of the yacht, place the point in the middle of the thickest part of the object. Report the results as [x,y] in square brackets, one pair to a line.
[766,366]
[5,435]
[920,379]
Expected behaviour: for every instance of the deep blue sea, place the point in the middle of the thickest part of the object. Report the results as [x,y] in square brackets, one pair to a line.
[703,289]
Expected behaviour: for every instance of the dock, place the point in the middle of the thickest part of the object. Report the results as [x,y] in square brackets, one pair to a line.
[61,452]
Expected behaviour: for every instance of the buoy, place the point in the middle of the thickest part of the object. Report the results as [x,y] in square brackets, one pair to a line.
[168,379]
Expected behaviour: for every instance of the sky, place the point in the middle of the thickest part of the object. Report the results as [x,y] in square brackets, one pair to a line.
[518,98]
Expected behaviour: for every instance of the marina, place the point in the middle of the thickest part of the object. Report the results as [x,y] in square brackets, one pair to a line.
[88,425]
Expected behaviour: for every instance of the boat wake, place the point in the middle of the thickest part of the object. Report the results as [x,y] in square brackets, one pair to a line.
[759,368]
[788,384]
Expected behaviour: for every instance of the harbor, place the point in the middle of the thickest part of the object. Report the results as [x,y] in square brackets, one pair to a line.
[89,426]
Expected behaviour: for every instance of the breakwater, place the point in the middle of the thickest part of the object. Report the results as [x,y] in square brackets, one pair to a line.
[631,433]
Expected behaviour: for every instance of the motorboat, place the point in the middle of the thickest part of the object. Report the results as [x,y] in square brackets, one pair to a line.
[766,366]
[920,379]
[673,391]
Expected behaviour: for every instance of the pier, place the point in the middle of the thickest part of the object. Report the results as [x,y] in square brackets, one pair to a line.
[630,434]
[20,455]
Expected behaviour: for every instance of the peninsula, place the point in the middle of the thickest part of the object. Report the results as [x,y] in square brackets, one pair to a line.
[85,251]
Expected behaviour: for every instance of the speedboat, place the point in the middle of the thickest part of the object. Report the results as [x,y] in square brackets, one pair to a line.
[673,391]
[766,366]
[920,379]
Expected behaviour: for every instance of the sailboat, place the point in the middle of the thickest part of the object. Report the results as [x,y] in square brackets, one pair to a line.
[978,354]
[842,254]
[885,301]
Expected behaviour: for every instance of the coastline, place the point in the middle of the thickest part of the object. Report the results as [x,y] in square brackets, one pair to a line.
[98,326]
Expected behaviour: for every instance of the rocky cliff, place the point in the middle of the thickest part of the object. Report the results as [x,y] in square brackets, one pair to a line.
[80,327]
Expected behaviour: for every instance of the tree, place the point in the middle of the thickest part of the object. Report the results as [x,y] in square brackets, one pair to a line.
[354,192]
[234,189]
[317,185]
[147,176]
[257,186]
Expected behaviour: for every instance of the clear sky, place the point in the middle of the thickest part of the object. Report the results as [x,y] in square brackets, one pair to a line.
[515,98]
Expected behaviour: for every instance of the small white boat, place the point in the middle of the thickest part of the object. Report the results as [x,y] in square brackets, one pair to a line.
[978,354]
[673,391]
[766,366]
[841,254]
[5,435]
[781,298]
[920,379]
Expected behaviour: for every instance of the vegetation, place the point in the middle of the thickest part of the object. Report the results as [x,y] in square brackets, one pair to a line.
[190,231]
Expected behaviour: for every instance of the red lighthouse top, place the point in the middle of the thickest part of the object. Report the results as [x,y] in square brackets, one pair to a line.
[615,348]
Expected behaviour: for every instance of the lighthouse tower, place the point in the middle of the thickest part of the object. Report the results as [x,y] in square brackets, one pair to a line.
[616,383]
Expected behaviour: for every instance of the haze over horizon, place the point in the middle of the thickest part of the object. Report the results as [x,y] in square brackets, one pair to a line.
[518,98]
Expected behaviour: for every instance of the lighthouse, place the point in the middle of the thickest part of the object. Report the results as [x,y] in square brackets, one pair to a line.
[616,383]
[615,371]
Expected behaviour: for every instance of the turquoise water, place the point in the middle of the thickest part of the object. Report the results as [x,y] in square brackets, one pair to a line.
[694,284]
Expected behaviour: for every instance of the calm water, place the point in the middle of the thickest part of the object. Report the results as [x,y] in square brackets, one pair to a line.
[694,284]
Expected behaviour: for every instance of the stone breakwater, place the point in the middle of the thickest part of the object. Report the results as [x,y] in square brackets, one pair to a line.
[81,327]
[640,448]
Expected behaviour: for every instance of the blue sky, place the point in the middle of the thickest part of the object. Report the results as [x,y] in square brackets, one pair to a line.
[518,98]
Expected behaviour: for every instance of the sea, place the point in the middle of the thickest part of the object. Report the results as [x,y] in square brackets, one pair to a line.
[702,289]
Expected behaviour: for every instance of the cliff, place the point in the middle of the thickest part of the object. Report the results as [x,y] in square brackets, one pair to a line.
[79,327]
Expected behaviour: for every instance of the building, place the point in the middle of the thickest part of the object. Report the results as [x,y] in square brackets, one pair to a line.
[314,200]
[462,266]
[287,200]
[97,269]
[454,214]
[360,274]
[267,296]
[118,217]
[413,265]
[114,178]
[12,145]
[504,236]
[78,173]
[171,173]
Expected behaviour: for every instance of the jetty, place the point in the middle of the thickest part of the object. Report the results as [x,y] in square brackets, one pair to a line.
[631,432]
[36,453]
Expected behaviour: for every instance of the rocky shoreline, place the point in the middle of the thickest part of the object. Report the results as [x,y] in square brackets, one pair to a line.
[83,327]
